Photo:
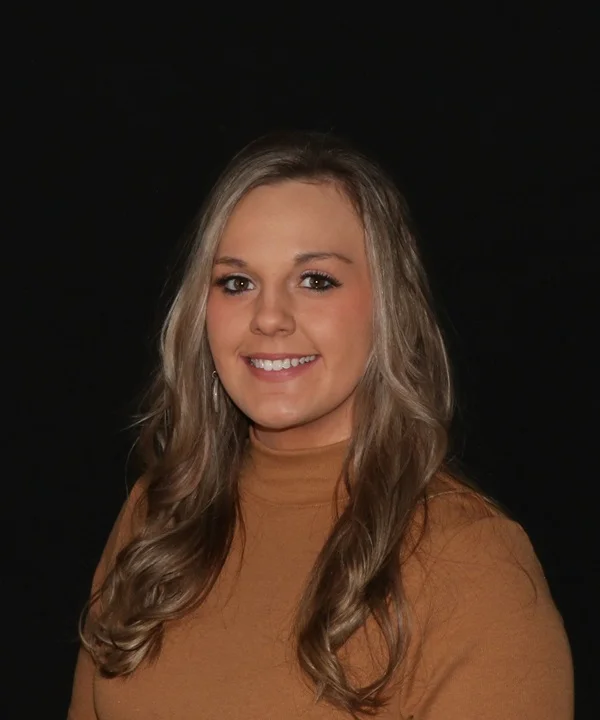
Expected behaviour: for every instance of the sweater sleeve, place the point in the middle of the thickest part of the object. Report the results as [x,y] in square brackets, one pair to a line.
[82,697]
[492,643]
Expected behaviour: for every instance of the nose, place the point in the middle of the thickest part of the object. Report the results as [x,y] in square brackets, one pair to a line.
[273,313]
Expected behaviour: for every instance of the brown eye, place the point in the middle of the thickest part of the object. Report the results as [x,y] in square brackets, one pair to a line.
[239,284]
[234,284]
[319,282]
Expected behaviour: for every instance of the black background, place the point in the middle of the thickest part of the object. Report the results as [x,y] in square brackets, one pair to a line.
[488,120]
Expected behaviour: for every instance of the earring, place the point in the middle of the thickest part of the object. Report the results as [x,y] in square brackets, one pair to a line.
[215,391]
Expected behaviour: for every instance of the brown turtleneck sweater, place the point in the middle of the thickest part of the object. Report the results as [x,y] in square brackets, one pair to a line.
[487,640]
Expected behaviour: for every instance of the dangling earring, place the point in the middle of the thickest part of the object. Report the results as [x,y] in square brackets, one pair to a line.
[215,391]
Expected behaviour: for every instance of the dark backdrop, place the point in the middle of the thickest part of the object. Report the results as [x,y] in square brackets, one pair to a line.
[488,122]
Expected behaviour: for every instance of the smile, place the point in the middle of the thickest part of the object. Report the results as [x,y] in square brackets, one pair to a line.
[281,369]
[281,364]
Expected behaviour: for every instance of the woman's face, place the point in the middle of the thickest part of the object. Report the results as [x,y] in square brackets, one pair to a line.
[290,281]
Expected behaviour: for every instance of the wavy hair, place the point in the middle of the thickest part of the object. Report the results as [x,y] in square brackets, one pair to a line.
[192,456]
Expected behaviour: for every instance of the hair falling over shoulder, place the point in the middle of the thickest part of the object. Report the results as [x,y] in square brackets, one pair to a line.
[192,455]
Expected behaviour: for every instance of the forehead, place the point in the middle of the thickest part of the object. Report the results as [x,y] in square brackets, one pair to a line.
[296,214]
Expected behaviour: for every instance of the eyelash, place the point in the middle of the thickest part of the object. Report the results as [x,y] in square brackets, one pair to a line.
[333,283]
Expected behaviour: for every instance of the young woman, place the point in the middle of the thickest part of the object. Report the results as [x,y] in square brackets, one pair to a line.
[297,546]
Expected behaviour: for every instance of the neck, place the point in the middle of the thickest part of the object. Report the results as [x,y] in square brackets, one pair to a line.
[305,475]
[301,437]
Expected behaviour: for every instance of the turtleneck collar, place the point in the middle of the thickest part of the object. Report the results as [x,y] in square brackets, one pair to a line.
[296,477]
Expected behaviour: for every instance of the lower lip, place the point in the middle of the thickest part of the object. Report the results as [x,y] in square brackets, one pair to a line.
[280,375]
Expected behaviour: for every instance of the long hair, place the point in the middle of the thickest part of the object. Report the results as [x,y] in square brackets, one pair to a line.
[193,456]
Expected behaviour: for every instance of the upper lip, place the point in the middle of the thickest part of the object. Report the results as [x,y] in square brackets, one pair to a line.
[277,356]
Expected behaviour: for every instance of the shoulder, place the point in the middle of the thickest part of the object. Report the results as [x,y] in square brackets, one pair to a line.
[473,560]
[453,515]
[132,515]
[481,611]
[129,522]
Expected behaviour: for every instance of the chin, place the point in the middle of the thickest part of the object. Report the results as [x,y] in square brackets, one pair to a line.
[281,420]
[275,423]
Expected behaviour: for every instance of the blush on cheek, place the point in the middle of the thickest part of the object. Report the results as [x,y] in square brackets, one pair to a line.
[353,320]
[217,316]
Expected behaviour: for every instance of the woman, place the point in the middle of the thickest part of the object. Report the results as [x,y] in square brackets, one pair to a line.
[297,545]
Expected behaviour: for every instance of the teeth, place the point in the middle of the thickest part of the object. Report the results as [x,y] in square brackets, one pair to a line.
[276,365]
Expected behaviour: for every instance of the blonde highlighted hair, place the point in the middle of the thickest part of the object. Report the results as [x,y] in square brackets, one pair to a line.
[192,455]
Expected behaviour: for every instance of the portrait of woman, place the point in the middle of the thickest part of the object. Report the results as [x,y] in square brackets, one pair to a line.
[300,543]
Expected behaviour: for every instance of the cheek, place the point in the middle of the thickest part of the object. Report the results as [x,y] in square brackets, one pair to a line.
[217,321]
[226,327]
[346,327]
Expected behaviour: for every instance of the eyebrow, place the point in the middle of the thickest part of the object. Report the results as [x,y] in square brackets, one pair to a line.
[299,259]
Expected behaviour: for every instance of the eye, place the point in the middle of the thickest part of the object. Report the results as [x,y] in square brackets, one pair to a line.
[319,281]
[234,284]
